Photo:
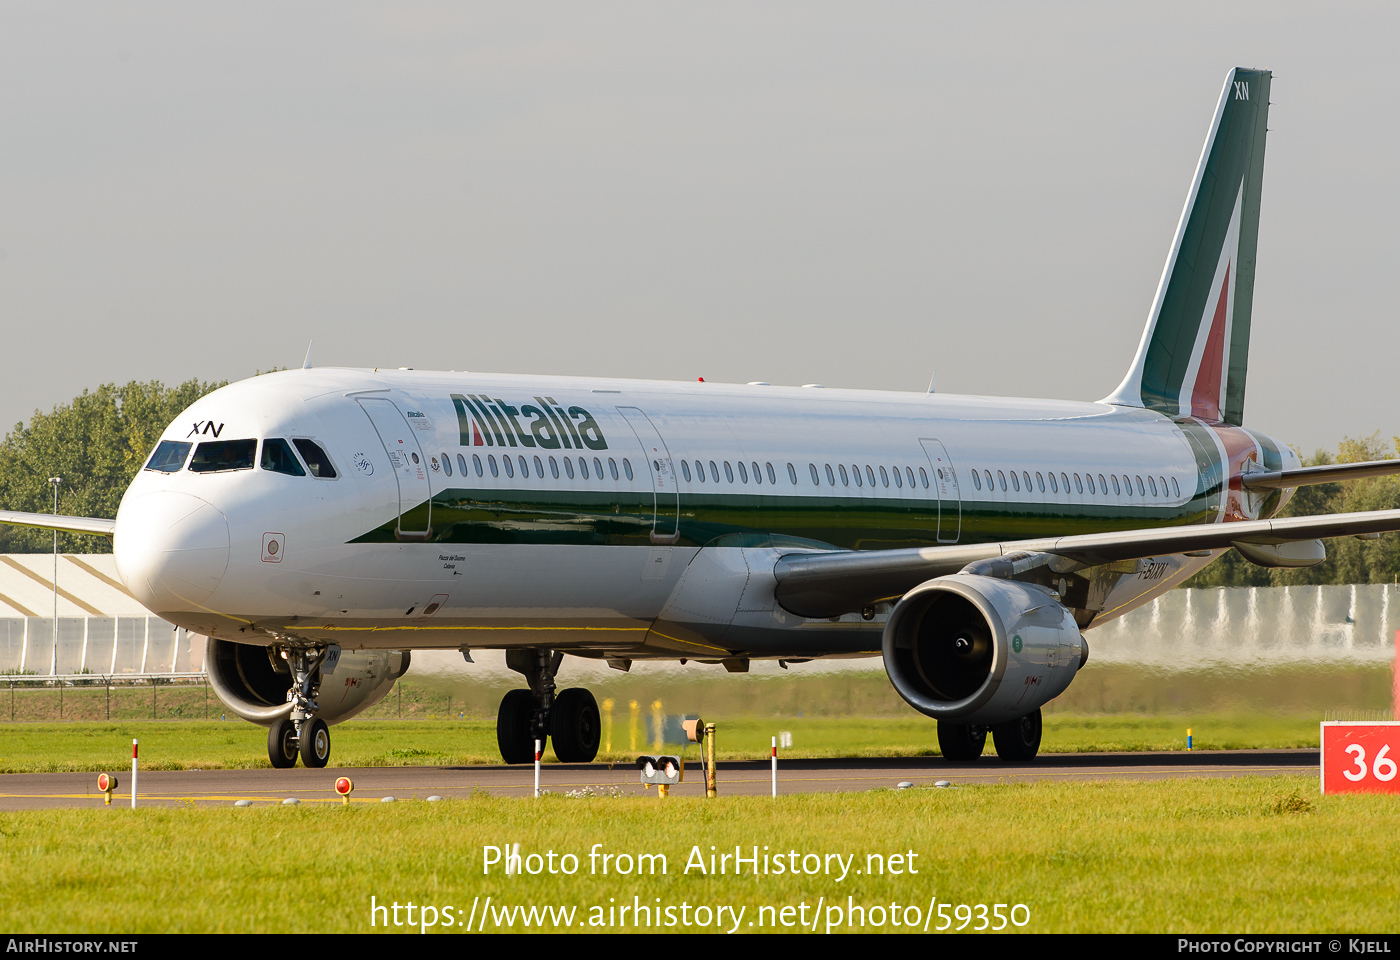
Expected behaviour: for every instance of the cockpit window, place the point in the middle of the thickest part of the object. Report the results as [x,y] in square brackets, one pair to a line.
[316,459]
[277,456]
[169,456]
[218,455]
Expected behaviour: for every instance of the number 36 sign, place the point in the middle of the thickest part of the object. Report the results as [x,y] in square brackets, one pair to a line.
[1361,757]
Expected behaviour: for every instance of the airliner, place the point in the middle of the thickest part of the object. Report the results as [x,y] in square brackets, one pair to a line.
[318,525]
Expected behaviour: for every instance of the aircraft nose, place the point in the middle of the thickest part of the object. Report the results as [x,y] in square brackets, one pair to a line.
[171,549]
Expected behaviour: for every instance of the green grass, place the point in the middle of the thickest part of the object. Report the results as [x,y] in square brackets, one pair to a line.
[234,744]
[1246,855]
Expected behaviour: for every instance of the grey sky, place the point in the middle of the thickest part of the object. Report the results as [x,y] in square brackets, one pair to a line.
[853,194]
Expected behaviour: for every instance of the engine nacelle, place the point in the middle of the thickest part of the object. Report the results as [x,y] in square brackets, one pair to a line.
[981,650]
[253,683]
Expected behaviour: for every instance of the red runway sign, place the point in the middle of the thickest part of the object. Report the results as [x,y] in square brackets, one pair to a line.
[1362,757]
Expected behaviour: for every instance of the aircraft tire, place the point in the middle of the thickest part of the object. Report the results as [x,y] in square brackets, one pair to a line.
[282,744]
[315,743]
[1018,740]
[513,736]
[576,726]
[961,741]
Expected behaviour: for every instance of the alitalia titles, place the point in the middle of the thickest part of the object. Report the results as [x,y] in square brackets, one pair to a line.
[484,421]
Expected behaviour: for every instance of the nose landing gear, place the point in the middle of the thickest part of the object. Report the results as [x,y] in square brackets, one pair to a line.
[525,716]
[301,732]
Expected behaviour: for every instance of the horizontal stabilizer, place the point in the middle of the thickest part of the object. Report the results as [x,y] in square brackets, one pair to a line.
[1328,473]
[48,521]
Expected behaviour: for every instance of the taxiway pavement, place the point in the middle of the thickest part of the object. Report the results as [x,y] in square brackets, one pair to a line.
[33,791]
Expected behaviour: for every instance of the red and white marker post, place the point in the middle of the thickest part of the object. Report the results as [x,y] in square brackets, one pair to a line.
[1361,757]
[134,743]
[775,766]
[537,768]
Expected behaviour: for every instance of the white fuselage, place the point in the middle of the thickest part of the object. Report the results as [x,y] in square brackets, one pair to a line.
[424,537]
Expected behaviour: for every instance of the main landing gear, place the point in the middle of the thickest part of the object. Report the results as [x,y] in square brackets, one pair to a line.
[1015,740]
[302,732]
[570,716]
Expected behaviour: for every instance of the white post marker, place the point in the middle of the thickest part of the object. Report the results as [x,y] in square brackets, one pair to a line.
[775,766]
[133,773]
[537,768]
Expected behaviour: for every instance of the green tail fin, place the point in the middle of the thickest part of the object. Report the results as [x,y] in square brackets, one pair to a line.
[1195,350]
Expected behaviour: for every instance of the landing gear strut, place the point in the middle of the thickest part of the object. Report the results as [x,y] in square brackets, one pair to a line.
[301,732]
[537,713]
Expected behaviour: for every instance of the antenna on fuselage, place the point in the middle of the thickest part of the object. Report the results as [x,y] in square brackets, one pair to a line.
[306,364]
[933,382]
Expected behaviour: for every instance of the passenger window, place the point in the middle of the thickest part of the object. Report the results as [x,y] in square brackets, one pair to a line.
[1117,490]
[700,470]
[491,462]
[447,464]
[612,467]
[1103,485]
[757,474]
[1142,489]
[476,465]
[743,474]
[714,472]
[510,467]
[1153,484]
[1127,485]
[855,470]
[816,477]
[627,467]
[1002,477]
[1176,490]
[773,478]
[792,474]
[462,465]
[1040,481]
[525,467]
[1090,478]
[583,468]
[569,468]
[1054,487]
[870,475]
[1078,485]
[991,484]
[923,477]
[554,468]
[221,455]
[277,456]
[884,477]
[909,472]
[830,477]
[169,456]
[1015,482]
[316,460]
[685,469]
[728,472]
[845,477]
[598,468]
[1164,485]
[976,480]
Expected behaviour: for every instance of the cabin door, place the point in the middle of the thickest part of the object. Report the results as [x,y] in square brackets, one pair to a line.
[409,469]
[945,481]
[665,526]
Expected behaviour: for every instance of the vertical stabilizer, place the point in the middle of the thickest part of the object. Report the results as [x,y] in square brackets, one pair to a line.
[1195,350]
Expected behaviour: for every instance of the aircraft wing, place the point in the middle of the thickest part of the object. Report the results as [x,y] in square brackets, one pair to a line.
[829,584]
[48,521]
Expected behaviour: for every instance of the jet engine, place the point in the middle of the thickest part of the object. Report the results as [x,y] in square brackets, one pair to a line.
[976,649]
[253,681]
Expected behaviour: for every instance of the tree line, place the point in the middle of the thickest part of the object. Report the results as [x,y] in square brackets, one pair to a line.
[101,439]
